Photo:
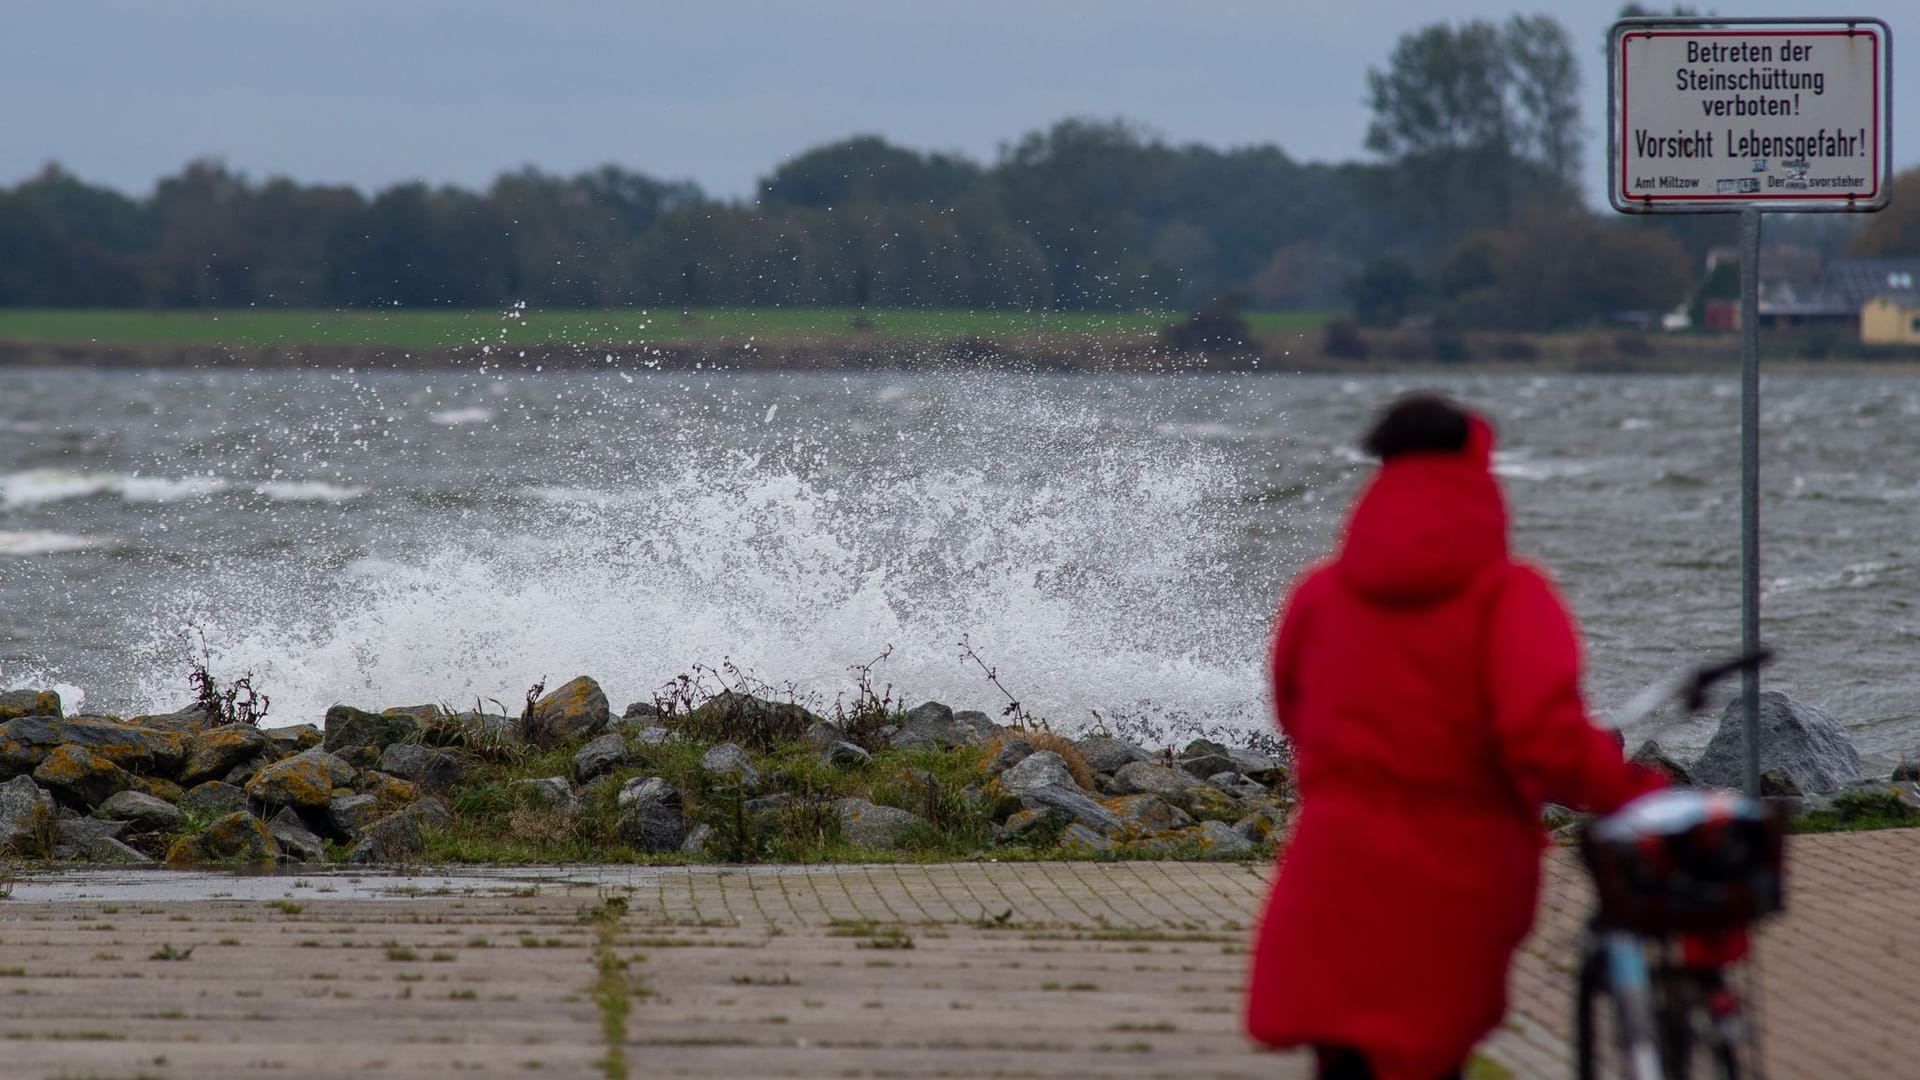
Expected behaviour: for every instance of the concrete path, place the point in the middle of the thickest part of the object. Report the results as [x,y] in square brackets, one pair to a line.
[971,970]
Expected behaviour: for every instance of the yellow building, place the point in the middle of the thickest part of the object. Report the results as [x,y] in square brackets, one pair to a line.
[1887,321]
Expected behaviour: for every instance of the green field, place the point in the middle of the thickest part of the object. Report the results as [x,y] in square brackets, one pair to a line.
[437,329]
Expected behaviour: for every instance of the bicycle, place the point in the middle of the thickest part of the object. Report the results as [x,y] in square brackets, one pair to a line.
[1681,876]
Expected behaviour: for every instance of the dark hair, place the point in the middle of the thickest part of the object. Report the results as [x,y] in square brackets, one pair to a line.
[1417,422]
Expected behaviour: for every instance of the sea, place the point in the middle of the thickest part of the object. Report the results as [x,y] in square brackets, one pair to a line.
[1110,548]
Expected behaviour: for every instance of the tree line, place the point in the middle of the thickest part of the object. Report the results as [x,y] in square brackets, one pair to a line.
[1468,212]
[1087,214]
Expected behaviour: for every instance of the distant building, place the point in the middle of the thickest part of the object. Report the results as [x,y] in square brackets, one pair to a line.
[1780,264]
[1838,296]
[1885,320]
[1720,315]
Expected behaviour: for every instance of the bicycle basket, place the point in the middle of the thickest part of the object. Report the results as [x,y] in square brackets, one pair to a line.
[1680,861]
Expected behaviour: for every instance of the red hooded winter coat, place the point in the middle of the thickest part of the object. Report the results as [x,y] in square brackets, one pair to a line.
[1430,687]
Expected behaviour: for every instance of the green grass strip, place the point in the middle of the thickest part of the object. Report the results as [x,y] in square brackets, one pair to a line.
[610,987]
[445,328]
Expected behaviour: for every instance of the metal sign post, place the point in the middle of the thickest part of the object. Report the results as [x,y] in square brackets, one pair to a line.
[1749,116]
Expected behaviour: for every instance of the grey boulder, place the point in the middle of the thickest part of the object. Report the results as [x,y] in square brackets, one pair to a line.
[213,799]
[1146,778]
[1652,756]
[108,850]
[1011,753]
[1106,754]
[947,728]
[548,792]
[1220,840]
[699,841]
[145,812]
[729,762]
[1236,785]
[399,836]
[390,840]
[577,707]
[306,779]
[912,740]
[78,776]
[865,824]
[297,842]
[1080,840]
[1040,769]
[1204,758]
[349,815]
[650,815]
[26,815]
[17,703]
[1074,803]
[214,752]
[1799,739]
[347,726]
[76,835]
[431,769]
[843,754]
[602,755]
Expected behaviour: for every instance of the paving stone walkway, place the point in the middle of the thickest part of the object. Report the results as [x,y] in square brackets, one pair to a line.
[961,970]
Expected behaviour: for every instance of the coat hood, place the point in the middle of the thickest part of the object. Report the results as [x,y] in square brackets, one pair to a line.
[1426,525]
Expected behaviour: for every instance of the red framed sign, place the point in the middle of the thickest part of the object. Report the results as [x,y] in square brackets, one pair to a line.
[1718,115]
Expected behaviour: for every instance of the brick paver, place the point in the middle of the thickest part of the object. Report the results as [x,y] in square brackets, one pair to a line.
[1834,997]
[967,969]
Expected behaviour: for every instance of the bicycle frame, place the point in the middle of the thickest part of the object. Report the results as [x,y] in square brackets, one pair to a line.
[1661,1006]
[1621,959]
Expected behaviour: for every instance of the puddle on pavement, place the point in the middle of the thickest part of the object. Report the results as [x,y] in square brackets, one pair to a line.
[124,884]
[158,884]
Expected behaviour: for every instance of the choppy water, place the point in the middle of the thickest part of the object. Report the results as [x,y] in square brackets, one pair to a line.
[1110,543]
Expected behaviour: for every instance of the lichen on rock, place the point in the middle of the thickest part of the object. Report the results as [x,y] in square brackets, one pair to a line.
[18,703]
[81,777]
[578,707]
[307,779]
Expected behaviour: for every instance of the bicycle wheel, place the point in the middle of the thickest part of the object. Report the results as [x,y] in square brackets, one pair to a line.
[1673,1019]
[1702,1029]
[1687,1052]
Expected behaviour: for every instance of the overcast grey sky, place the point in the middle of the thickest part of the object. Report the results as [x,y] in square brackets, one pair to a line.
[369,92]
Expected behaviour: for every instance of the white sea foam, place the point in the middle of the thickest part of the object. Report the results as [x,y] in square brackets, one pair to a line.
[1096,582]
[1861,575]
[1204,429]
[457,417]
[39,542]
[570,495]
[307,491]
[36,487]
[1516,465]
[39,487]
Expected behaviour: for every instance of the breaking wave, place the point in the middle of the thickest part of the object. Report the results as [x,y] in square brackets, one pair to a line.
[1089,565]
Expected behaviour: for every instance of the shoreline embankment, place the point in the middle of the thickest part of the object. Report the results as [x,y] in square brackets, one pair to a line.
[1385,351]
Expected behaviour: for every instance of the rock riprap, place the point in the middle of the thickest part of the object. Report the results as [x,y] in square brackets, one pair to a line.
[735,776]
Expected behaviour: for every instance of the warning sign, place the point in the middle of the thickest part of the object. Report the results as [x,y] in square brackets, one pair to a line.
[1718,117]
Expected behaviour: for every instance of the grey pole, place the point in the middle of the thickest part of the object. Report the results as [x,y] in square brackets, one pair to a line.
[1750,488]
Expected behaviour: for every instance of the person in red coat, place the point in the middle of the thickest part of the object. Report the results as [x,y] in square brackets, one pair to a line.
[1430,685]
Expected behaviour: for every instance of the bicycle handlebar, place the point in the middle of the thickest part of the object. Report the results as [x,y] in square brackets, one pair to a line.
[1689,687]
[1706,675]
